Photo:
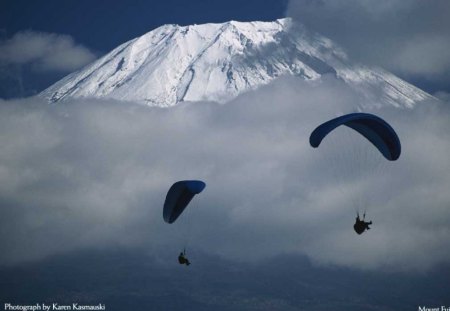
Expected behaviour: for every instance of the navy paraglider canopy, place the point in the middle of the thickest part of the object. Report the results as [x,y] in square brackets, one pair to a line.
[179,196]
[375,129]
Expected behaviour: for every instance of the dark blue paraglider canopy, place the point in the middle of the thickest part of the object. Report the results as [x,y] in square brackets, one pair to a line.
[375,129]
[179,196]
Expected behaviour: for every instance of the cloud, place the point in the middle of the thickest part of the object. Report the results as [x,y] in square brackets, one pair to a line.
[94,174]
[44,51]
[443,96]
[408,37]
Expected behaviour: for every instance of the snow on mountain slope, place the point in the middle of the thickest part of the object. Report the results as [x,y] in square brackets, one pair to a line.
[217,62]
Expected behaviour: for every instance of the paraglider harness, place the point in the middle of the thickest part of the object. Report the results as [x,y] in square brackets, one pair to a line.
[182,258]
[361,225]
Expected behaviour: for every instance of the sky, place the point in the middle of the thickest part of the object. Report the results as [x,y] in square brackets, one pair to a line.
[82,183]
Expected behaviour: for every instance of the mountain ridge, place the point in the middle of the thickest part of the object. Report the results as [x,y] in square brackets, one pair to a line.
[217,62]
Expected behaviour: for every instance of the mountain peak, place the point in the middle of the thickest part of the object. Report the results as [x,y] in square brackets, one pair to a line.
[216,62]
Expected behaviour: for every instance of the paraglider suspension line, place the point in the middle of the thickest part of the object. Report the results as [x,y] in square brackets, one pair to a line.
[188,230]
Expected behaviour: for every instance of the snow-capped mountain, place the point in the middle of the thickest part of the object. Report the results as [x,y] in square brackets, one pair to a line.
[217,62]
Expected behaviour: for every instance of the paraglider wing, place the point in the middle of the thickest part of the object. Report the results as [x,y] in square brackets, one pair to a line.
[179,196]
[375,129]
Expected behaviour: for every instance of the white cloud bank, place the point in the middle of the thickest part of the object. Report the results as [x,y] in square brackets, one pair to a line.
[45,51]
[95,174]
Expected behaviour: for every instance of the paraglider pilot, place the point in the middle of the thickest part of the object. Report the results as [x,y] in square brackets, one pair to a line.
[361,225]
[182,258]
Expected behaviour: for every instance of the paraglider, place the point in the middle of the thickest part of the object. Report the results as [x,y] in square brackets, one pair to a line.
[377,131]
[177,200]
